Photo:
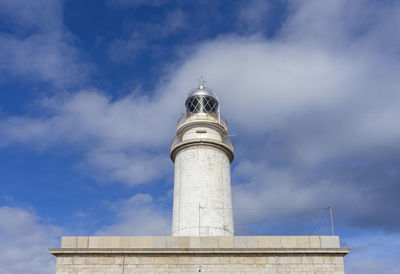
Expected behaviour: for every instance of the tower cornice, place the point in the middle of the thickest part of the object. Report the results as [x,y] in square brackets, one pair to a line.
[188,124]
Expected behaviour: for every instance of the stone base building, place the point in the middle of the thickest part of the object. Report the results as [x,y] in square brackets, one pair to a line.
[224,254]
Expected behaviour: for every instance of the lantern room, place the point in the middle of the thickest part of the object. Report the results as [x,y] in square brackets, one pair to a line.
[202,100]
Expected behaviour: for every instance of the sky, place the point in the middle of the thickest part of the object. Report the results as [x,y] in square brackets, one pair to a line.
[90,92]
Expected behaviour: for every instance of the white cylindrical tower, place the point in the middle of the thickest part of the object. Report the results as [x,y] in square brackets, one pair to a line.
[202,153]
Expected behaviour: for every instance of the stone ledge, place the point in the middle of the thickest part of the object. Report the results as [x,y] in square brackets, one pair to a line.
[241,251]
[202,142]
[225,242]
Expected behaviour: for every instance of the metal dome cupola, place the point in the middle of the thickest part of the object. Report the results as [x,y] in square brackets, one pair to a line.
[202,100]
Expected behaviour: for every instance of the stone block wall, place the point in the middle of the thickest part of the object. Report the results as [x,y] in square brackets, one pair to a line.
[202,193]
[296,254]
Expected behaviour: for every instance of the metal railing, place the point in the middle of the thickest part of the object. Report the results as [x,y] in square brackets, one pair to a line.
[175,141]
[202,116]
[228,142]
[178,139]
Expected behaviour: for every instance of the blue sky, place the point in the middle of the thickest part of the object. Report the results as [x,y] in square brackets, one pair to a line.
[90,92]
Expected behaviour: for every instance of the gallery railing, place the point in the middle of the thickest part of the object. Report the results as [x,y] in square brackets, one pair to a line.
[202,116]
[178,139]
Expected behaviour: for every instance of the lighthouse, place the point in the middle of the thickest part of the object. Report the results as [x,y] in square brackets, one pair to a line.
[202,153]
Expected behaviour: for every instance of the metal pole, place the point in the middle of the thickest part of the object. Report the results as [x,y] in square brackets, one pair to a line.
[330,211]
[123,264]
[199,219]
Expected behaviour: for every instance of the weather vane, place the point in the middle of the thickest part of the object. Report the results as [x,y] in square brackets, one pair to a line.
[202,81]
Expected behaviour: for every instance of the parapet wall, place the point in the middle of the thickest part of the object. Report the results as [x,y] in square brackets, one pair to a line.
[259,254]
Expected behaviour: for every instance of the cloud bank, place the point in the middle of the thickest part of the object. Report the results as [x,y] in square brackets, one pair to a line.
[138,215]
[38,47]
[314,117]
[26,240]
[314,110]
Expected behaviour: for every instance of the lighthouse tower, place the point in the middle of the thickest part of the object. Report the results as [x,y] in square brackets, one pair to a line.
[202,153]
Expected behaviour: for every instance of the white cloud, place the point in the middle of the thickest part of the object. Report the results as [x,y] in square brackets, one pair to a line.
[342,24]
[45,15]
[325,101]
[324,91]
[174,20]
[252,17]
[146,36]
[301,196]
[139,215]
[315,102]
[328,103]
[133,168]
[373,254]
[125,140]
[25,241]
[46,58]
[40,47]
[305,110]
